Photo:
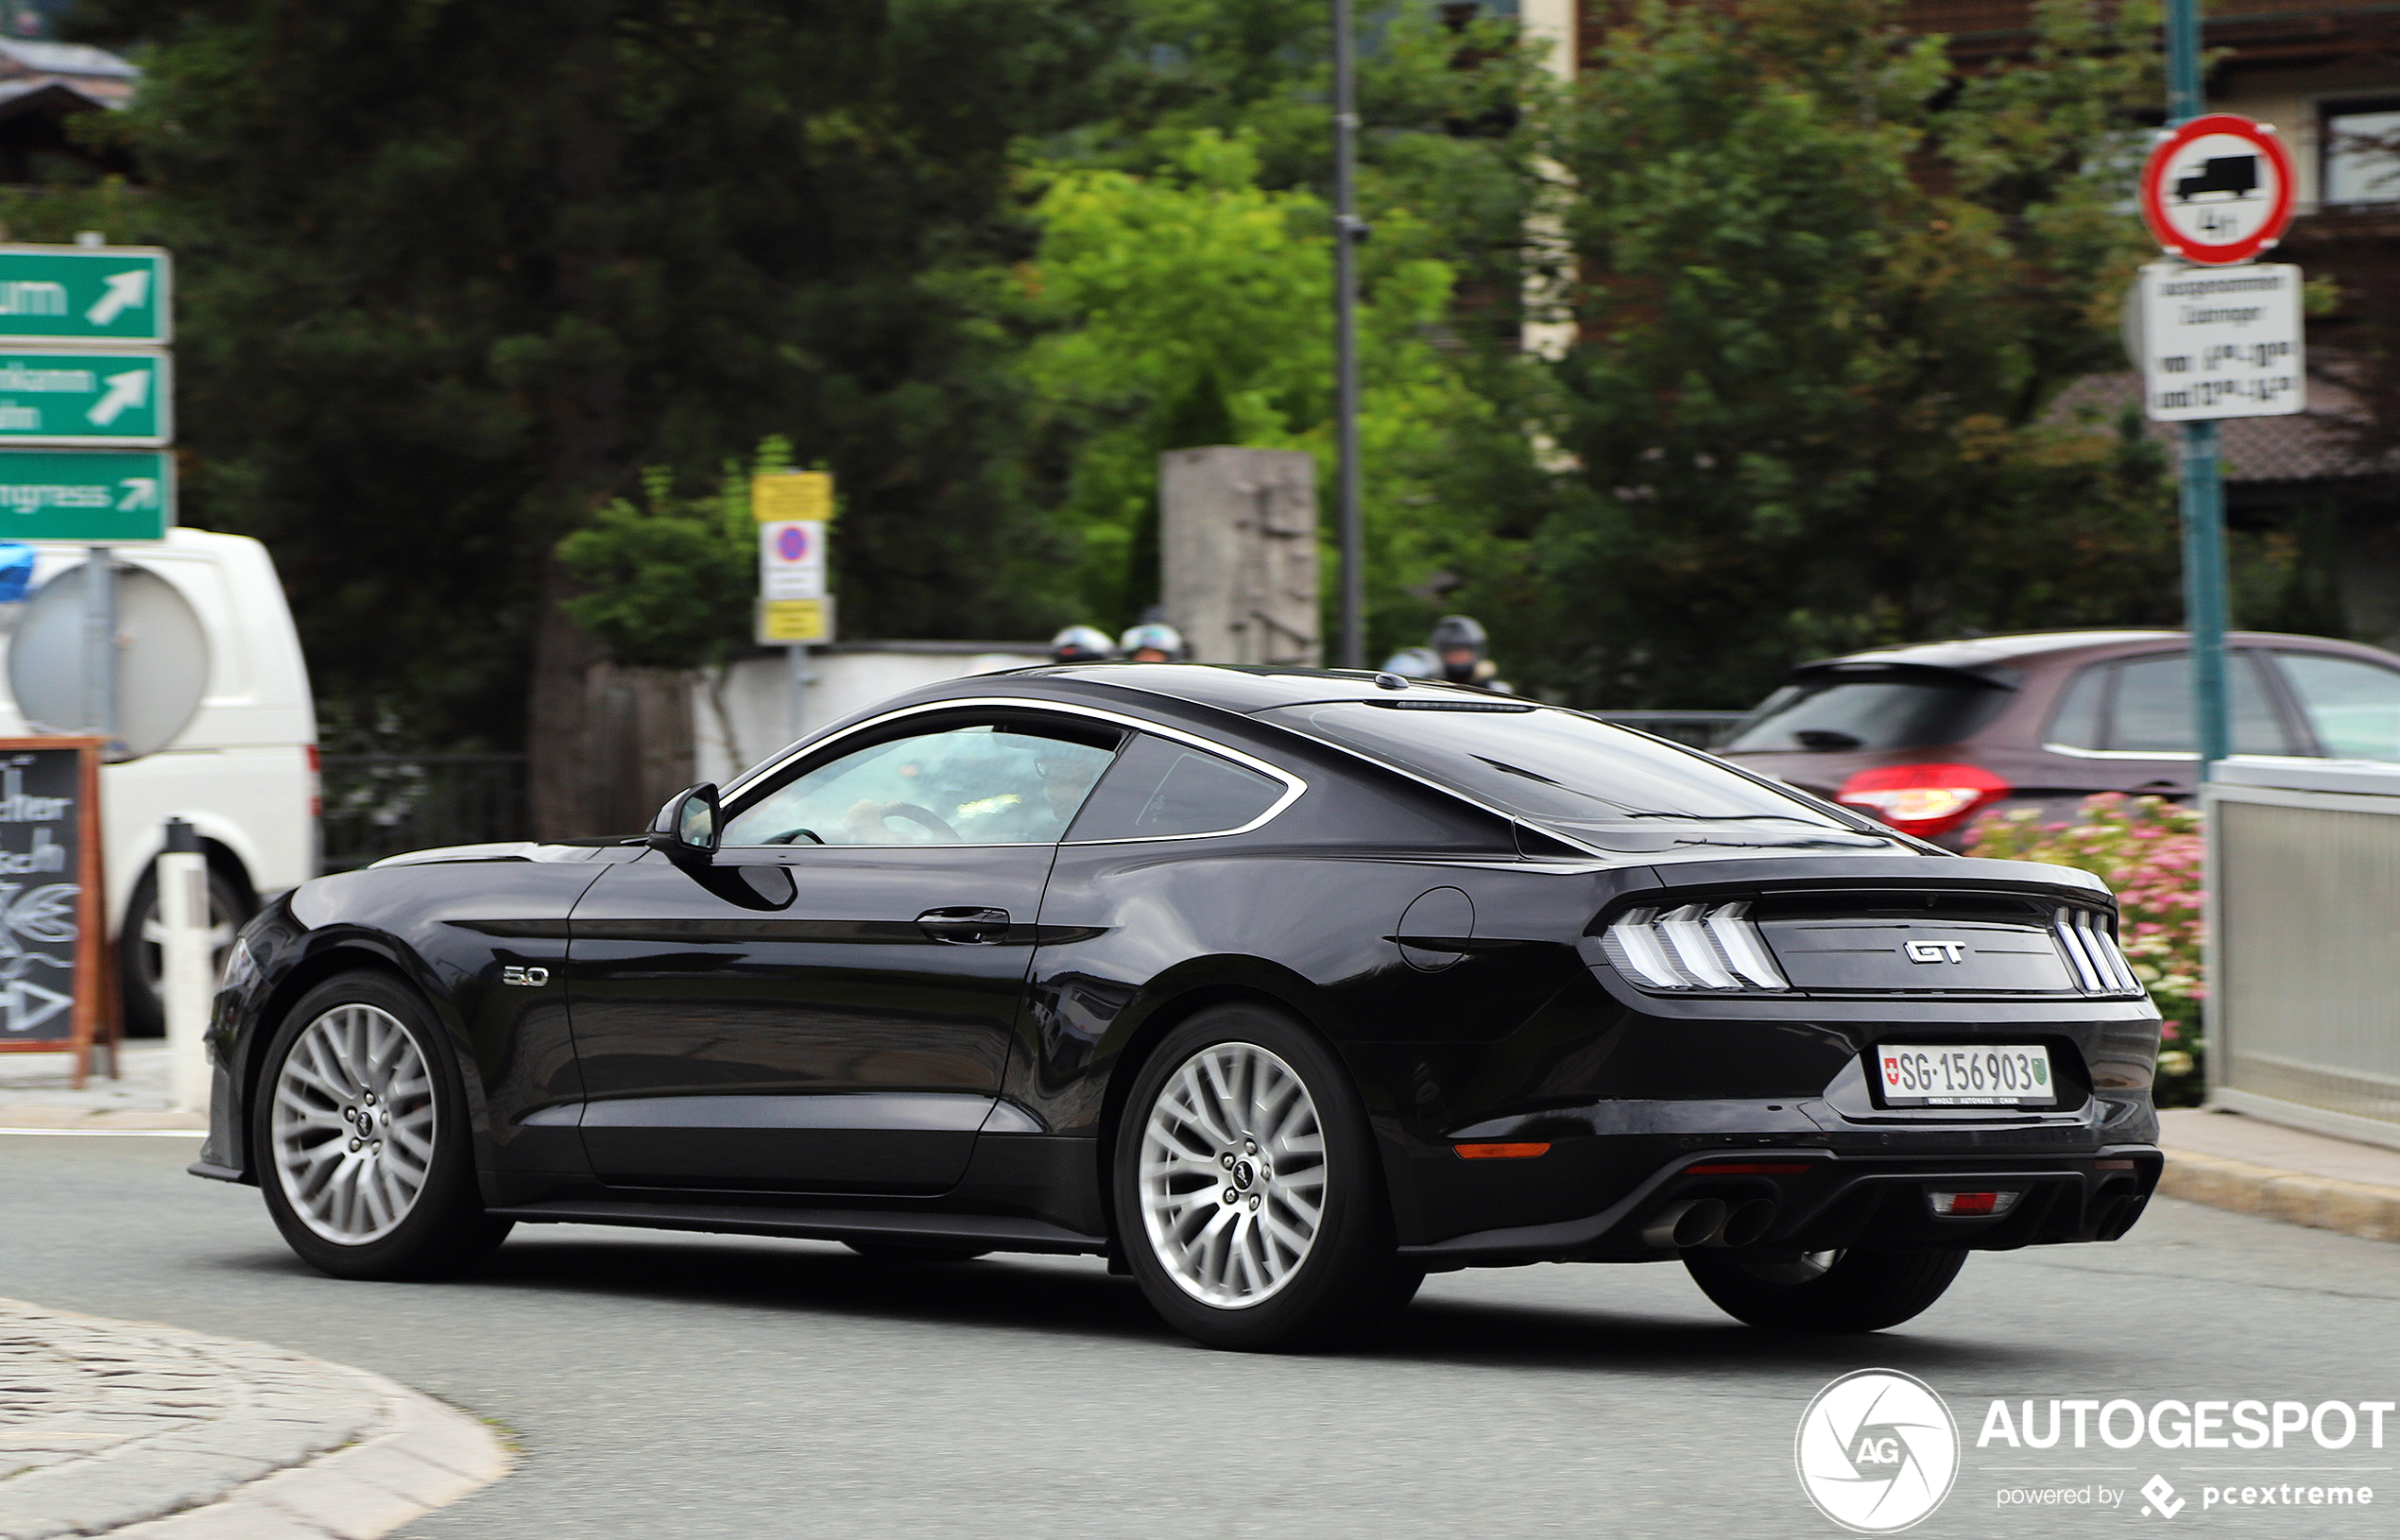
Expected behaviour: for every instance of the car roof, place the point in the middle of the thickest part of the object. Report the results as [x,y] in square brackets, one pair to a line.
[1242,687]
[1985,652]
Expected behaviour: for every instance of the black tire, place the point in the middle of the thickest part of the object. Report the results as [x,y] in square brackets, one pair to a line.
[138,960]
[1859,1290]
[443,1230]
[1348,1281]
[898,1254]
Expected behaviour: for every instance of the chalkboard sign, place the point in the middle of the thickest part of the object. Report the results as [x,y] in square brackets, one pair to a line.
[53,938]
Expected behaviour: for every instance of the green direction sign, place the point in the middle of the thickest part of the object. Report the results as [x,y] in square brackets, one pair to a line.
[90,496]
[86,293]
[85,397]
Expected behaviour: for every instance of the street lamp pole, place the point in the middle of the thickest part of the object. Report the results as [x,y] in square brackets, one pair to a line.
[2202,491]
[1348,232]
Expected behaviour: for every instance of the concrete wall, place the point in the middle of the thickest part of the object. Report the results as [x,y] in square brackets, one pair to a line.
[849,677]
[1237,545]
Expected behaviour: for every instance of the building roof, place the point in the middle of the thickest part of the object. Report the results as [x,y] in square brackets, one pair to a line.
[70,58]
[2317,444]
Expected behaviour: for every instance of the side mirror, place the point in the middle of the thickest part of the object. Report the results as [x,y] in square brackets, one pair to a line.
[688,827]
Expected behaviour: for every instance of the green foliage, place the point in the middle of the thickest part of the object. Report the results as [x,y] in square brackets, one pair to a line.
[1184,280]
[669,581]
[2150,851]
[1829,298]
[450,273]
[1190,309]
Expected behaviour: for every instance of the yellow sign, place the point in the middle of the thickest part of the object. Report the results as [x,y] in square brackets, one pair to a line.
[792,495]
[784,623]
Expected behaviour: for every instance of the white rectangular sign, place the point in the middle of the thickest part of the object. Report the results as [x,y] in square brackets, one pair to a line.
[792,559]
[2221,342]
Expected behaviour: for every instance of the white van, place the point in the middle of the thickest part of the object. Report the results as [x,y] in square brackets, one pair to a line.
[243,771]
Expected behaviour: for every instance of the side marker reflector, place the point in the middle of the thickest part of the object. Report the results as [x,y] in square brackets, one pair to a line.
[1499,1152]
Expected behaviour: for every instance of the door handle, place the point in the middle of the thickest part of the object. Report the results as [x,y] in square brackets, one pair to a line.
[963,927]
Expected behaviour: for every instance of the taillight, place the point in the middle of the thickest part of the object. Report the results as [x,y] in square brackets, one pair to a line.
[1923,800]
[1698,945]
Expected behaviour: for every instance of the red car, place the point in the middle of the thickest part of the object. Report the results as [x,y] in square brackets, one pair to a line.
[1927,737]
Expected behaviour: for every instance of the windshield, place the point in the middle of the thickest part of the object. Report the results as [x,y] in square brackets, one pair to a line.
[1832,711]
[1604,785]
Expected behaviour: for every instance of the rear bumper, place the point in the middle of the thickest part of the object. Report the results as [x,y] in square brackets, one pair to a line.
[1835,1200]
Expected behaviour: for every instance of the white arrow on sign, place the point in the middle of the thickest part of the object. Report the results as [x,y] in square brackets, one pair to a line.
[127,291]
[130,389]
[140,492]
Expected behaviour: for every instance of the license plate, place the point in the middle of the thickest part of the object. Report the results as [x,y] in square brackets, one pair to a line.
[1954,1075]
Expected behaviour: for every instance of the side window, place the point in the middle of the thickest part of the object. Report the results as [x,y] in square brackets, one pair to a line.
[1157,789]
[984,783]
[2354,706]
[2077,724]
[2153,708]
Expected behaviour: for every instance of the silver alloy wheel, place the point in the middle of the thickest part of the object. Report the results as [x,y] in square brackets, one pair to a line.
[353,1124]
[1232,1175]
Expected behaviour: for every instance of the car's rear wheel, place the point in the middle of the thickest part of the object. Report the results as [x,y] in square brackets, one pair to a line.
[1826,1290]
[364,1151]
[1249,1200]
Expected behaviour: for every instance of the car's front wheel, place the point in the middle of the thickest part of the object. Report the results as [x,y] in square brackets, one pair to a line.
[1826,1290]
[359,1129]
[1249,1200]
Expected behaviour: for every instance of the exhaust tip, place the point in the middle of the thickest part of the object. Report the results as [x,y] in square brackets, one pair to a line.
[1680,1226]
[1745,1226]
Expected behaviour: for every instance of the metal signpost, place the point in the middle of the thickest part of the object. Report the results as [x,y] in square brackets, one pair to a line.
[2218,339]
[1349,230]
[793,509]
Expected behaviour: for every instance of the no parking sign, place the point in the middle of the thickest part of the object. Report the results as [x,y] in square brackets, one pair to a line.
[794,605]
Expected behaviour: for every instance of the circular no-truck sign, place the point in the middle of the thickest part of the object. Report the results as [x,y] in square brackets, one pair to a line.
[2218,190]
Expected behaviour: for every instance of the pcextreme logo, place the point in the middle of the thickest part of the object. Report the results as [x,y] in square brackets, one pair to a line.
[1876,1451]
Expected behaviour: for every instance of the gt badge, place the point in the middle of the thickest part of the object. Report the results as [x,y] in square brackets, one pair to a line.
[1935,952]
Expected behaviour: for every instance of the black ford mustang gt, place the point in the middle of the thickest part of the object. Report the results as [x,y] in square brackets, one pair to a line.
[1278,988]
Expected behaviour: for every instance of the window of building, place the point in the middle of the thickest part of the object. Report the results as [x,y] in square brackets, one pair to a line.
[2361,143]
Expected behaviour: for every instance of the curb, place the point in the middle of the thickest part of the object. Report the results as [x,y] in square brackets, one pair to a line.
[2321,1202]
[426,1456]
[275,1447]
[53,1117]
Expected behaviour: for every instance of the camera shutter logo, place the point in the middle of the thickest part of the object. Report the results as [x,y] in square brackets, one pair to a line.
[1876,1451]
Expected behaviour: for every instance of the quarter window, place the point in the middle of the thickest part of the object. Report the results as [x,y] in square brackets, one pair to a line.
[1156,790]
[985,783]
[2354,706]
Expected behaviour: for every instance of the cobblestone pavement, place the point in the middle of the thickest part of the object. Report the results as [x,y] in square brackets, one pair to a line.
[107,1424]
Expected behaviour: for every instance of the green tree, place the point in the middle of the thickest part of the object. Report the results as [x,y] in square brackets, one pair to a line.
[1191,309]
[1183,285]
[669,582]
[452,272]
[1829,297]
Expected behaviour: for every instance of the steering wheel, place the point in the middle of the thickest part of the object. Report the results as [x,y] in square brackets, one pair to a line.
[926,818]
[791,834]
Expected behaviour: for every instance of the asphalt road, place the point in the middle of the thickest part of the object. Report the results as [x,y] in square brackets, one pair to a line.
[675,1386]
